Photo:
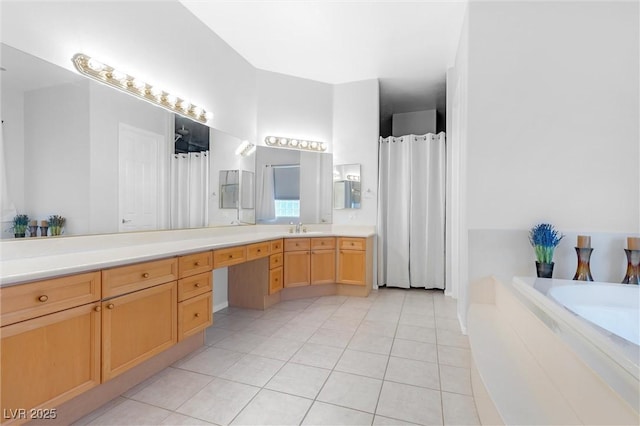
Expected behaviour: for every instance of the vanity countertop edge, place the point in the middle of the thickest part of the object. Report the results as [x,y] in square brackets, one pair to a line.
[29,260]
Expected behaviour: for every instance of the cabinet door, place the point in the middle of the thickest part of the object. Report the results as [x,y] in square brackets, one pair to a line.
[195,315]
[51,359]
[137,326]
[297,268]
[351,267]
[323,266]
[275,280]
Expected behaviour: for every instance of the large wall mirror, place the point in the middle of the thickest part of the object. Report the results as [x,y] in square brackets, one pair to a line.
[292,186]
[346,186]
[103,159]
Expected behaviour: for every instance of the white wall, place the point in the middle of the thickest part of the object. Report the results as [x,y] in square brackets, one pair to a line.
[356,130]
[414,123]
[552,129]
[160,41]
[294,107]
[56,132]
[13,135]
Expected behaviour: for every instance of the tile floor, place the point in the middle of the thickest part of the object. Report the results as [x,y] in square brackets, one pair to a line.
[396,357]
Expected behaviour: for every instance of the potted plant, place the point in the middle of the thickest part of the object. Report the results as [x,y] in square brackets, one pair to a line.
[544,238]
[56,223]
[20,224]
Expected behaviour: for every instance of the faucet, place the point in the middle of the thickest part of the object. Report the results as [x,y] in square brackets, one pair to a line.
[298,227]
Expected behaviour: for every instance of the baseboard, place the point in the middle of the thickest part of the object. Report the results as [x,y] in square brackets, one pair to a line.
[220,306]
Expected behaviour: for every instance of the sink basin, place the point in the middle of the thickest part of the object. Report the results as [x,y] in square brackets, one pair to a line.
[302,234]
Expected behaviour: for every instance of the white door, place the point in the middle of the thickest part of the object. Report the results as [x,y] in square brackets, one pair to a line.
[138,178]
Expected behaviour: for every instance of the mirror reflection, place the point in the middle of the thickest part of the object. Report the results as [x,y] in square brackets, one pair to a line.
[292,186]
[346,186]
[104,160]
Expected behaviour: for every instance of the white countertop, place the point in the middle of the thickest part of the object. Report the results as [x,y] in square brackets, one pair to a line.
[33,259]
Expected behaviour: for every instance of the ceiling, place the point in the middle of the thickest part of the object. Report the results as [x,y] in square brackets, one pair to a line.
[407,45]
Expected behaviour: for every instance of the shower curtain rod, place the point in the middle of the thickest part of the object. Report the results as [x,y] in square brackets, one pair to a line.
[282,166]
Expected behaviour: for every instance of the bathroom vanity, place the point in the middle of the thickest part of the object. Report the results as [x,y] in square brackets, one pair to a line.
[102,313]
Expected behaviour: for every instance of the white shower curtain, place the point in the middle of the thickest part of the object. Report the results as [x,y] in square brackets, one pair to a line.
[411,211]
[266,208]
[190,190]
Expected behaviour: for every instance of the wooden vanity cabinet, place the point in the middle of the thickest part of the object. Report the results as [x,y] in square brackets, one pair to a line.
[53,338]
[276,270]
[352,261]
[195,295]
[297,264]
[323,260]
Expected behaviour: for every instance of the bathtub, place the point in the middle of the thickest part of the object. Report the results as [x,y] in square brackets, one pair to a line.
[613,307]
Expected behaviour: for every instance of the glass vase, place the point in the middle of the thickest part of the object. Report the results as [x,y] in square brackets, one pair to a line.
[633,268]
[583,271]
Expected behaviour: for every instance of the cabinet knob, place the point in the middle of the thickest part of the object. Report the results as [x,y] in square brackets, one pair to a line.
[230,256]
[197,263]
[43,298]
[145,275]
[110,306]
[97,308]
[197,284]
[197,315]
[353,244]
[322,243]
[259,250]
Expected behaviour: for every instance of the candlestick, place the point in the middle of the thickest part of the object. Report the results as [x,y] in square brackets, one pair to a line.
[633,267]
[583,271]
[584,241]
[44,223]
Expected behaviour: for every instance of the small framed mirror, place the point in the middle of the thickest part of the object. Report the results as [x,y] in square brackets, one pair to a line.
[346,186]
[229,189]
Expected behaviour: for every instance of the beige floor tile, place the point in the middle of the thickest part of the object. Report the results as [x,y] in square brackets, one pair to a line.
[213,361]
[98,412]
[241,342]
[293,305]
[214,334]
[278,348]
[452,338]
[420,320]
[300,380]
[278,315]
[295,331]
[330,337]
[233,323]
[376,327]
[273,408]
[459,409]
[371,343]
[330,415]
[354,313]
[176,419]
[351,391]
[219,402]
[415,350]
[363,363]
[410,403]
[417,333]
[455,379]
[171,388]
[246,313]
[132,413]
[264,327]
[253,370]
[383,315]
[386,421]
[330,300]
[341,323]
[317,355]
[411,372]
[456,357]
[313,317]
[451,324]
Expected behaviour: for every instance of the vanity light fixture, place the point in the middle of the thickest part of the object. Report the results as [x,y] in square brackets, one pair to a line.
[245,149]
[110,76]
[295,143]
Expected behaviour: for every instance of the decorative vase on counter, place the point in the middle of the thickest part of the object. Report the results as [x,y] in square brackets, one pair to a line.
[55,230]
[633,267]
[583,251]
[19,235]
[544,270]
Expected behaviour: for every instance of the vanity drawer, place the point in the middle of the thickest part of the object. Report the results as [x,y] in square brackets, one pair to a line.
[193,264]
[126,279]
[275,260]
[25,301]
[276,246]
[195,315]
[325,243]
[195,285]
[352,243]
[258,250]
[229,256]
[275,280]
[297,244]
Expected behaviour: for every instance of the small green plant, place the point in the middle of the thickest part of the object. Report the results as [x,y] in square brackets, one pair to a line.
[56,220]
[20,223]
[544,238]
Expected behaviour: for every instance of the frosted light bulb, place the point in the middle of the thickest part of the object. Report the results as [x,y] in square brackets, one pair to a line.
[282,141]
[197,111]
[304,144]
[96,66]
[271,140]
[139,84]
[323,146]
[251,150]
[171,100]
[208,115]
[185,105]
[314,145]
[293,142]
[118,75]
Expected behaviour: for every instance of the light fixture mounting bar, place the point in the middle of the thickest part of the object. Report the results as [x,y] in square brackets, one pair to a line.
[111,76]
[302,144]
